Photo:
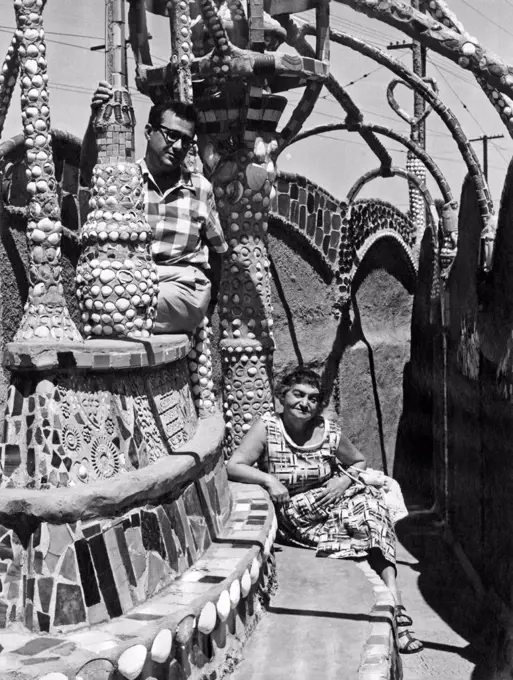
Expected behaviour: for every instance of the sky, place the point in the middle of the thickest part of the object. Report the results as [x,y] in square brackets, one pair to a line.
[334,160]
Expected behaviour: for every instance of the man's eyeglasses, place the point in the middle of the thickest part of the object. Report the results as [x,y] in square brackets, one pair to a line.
[172,136]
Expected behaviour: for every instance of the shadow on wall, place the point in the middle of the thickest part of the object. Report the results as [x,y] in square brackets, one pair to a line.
[447,591]
[363,356]
[413,463]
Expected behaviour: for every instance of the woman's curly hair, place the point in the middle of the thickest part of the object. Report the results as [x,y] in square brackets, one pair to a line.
[300,376]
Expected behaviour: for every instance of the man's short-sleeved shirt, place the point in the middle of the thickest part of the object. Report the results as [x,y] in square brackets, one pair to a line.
[183,219]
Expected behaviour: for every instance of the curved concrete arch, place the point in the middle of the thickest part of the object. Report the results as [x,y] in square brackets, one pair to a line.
[317,217]
[464,51]
[396,172]
[380,219]
[296,39]
[376,238]
[327,225]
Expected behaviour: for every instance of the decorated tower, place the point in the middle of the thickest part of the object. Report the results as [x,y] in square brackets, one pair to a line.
[117,282]
[46,314]
[236,73]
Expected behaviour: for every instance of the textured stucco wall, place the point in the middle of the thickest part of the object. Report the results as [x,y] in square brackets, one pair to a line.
[371,353]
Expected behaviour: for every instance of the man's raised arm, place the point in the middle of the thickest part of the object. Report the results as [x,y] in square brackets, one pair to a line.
[89,152]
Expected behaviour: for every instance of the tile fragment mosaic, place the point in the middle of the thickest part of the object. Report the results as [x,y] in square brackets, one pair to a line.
[112,430]
[69,605]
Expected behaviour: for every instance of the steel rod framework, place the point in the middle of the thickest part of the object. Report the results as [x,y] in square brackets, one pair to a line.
[467,152]
[415,148]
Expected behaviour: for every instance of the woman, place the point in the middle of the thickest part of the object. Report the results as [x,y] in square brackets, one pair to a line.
[312,473]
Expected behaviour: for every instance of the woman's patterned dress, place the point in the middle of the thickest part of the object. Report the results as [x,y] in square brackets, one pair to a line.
[349,527]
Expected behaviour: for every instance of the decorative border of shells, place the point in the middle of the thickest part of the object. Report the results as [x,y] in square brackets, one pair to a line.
[214,610]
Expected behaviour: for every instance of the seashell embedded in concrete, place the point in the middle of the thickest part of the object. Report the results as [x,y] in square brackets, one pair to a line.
[223,605]
[254,572]
[256,176]
[131,662]
[245,583]
[161,647]
[185,630]
[235,593]
[207,618]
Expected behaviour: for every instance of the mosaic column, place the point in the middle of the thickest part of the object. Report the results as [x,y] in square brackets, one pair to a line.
[46,315]
[181,48]
[115,51]
[417,211]
[238,149]
[117,280]
[449,244]
[8,77]
[418,134]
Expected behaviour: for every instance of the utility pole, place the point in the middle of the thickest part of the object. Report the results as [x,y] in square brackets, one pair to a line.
[419,53]
[418,213]
[115,46]
[485,139]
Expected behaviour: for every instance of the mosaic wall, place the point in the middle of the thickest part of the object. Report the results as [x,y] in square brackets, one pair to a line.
[73,429]
[316,214]
[335,230]
[371,216]
[88,572]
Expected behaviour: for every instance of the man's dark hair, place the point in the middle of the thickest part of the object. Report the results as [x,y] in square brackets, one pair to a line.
[185,111]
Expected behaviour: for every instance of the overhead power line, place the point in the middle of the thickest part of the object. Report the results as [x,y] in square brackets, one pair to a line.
[459,99]
[485,16]
[484,139]
[65,35]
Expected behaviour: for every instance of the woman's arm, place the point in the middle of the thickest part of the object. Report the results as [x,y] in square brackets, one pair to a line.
[240,467]
[349,455]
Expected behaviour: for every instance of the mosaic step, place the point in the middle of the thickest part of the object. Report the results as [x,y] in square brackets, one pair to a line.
[77,419]
[189,627]
[95,555]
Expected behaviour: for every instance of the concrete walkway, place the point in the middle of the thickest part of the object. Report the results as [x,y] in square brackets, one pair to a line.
[444,608]
[318,622]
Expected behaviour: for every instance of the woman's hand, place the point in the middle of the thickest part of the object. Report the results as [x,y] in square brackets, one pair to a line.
[102,95]
[333,490]
[278,491]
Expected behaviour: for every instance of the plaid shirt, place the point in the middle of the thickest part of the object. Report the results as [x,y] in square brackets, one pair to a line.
[184,220]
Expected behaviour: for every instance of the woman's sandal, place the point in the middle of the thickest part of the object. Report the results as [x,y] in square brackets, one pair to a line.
[401,617]
[410,644]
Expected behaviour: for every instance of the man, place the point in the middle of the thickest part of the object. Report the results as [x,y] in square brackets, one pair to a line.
[181,211]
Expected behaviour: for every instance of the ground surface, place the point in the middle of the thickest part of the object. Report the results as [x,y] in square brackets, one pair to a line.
[318,621]
[443,606]
[317,624]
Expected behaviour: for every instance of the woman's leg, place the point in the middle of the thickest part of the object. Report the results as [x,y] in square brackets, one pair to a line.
[386,571]
[408,644]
